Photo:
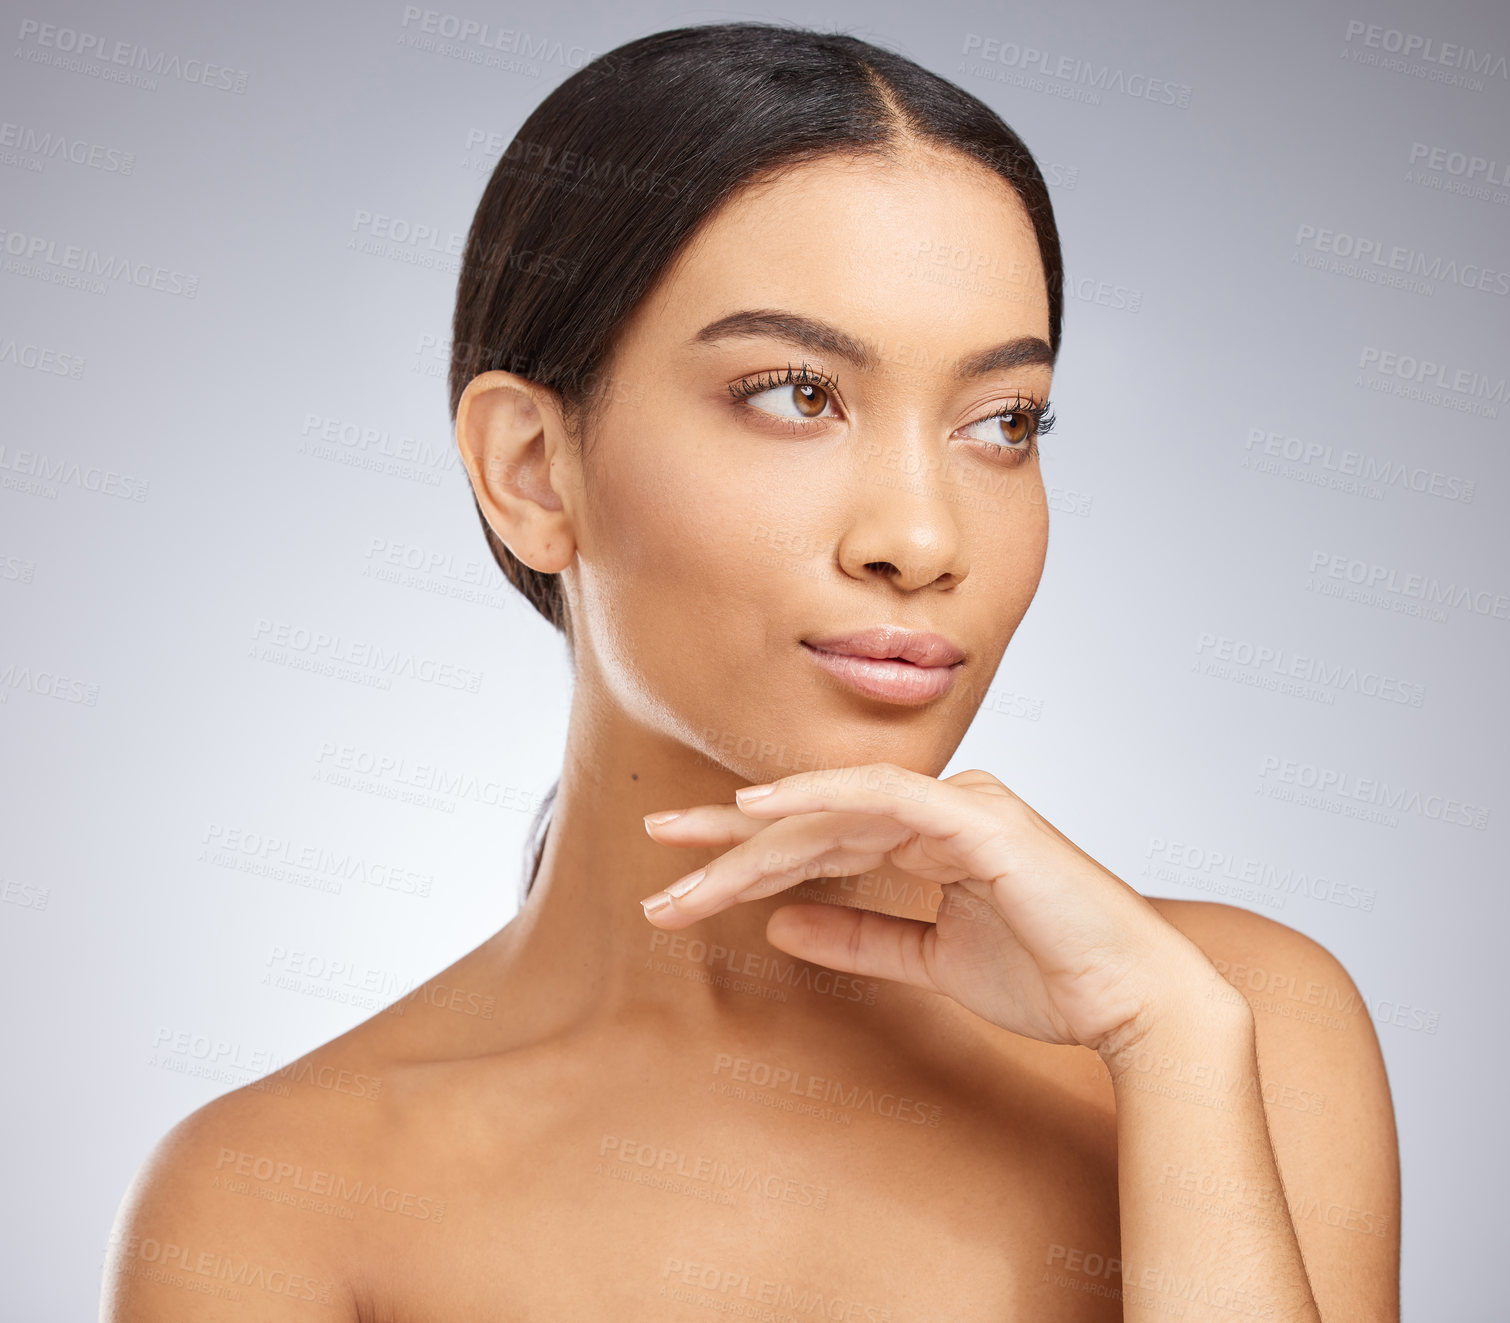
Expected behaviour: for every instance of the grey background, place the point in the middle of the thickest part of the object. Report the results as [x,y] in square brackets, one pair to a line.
[160,773]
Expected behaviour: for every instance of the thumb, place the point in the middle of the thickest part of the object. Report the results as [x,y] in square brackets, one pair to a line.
[856,941]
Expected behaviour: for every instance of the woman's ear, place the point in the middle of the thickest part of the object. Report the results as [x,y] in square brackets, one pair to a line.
[513,441]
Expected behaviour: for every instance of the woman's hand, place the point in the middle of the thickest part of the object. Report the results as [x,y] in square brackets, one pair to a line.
[1032,934]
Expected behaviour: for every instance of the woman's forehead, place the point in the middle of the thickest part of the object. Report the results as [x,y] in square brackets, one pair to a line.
[861,251]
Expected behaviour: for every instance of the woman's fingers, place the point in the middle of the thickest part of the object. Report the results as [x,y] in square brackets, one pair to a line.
[975,825]
[707,824]
[857,941]
[785,853]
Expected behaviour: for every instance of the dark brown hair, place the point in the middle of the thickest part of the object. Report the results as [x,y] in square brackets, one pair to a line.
[617,168]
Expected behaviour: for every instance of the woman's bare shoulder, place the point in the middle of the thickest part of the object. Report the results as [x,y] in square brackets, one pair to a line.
[1251,950]
[278,1195]
[205,1219]
[1304,1001]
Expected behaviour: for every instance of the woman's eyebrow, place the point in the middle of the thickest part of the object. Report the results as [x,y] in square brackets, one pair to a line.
[822,338]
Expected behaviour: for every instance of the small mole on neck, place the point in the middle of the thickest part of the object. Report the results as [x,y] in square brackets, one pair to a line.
[634,776]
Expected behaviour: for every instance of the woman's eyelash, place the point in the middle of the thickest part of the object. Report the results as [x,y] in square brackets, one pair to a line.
[1041,414]
[765,381]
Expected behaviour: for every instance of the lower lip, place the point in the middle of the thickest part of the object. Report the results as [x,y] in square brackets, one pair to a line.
[892,680]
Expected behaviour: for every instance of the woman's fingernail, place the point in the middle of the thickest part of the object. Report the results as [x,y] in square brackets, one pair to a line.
[660,819]
[747,793]
[653,905]
[680,889]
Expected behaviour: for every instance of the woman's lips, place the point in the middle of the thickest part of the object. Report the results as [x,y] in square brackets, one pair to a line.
[892,680]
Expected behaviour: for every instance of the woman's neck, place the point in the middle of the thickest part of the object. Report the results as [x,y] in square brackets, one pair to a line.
[581,950]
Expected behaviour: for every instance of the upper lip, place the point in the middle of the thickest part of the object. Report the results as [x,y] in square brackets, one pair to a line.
[887,641]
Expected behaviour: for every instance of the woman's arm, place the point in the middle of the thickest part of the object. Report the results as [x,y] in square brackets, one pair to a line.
[1257,1164]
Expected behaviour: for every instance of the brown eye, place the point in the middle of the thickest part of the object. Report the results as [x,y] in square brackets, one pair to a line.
[1012,432]
[1016,427]
[792,400]
[811,400]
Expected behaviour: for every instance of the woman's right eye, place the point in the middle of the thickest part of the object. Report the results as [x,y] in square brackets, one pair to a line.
[803,399]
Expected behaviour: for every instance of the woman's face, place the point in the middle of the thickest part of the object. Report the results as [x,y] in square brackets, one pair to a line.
[828,466]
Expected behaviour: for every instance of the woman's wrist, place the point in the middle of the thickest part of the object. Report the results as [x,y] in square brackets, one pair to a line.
[1199,1023]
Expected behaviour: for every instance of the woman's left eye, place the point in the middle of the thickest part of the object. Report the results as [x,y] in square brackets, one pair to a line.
[1012,429]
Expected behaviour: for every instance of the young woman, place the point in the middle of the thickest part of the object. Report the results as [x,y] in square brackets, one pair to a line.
[873,1044]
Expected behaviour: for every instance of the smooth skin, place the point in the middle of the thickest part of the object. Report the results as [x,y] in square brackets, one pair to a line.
[1050,1107]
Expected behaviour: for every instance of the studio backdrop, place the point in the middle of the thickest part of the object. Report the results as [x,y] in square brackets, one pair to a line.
[273,728]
